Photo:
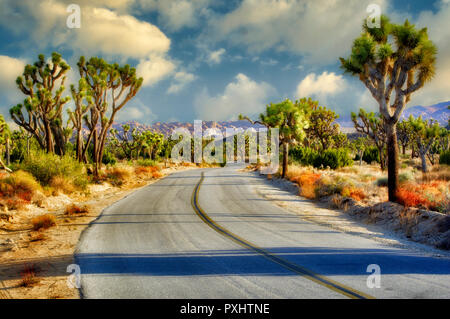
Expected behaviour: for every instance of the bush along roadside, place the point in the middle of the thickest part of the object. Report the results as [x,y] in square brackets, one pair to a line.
[417,216]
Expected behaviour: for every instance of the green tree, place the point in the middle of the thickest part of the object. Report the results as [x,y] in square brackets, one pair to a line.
[128,141]
[41,112]
[404,135]
[373,127]
[111,87]
[4,138]
[425,134]
[290,119]
[392,74]
[83,104]
[360,145]
[322,126]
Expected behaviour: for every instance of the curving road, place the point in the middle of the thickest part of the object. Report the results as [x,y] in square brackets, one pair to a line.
[188,236]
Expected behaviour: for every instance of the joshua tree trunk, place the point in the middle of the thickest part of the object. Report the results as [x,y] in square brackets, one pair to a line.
[7,152]
[79,146]
[285,159]
[393,163]
[48,137]
[424,162]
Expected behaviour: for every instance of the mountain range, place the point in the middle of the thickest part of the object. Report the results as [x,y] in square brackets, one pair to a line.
[438,112]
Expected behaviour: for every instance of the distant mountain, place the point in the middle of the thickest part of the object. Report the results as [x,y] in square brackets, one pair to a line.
[438,112]
[167,128]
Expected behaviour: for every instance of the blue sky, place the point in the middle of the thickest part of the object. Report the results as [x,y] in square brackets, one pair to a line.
[209,59]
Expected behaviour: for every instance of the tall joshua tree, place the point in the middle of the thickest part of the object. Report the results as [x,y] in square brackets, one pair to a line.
[393,61]
[41,113]
[291,120]
[83,104]
[111,87]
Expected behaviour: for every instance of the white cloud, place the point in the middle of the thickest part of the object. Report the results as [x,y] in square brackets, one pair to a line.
[102,30]
[181,79]
[321,85]
[438,24]
[176,14]
[319,30]
[11,69]
[243,95]
[215,57]
[154,69]
[137,111]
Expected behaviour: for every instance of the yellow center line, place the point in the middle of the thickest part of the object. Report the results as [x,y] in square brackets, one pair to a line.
[319,279]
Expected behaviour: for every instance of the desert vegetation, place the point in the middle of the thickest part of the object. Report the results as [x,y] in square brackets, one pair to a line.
[393,62]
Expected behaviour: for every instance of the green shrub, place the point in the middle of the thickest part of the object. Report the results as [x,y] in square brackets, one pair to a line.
[146,162]
[332,158]
[444,157]
[382,182]
[371,154]
[108,158]
[45,166]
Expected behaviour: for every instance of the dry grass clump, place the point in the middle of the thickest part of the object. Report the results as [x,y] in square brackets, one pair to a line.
[29,277]
[43,221]
[117,176]
[186,164]
[437,173]
[17,189]
[148,171]
[76,210]
[61,184]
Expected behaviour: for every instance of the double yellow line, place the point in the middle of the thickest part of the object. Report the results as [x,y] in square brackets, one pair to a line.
[321,280]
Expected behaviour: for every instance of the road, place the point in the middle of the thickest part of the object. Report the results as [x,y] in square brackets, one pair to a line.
[188,236]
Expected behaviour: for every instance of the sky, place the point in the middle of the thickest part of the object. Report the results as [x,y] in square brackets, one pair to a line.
[211,59]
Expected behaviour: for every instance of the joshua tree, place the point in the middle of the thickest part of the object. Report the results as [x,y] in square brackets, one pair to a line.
[80,96]
[373,127]
[110,87]
[291,121]
[322,126]
[425,135]
[404,135]
[41,113]
[392,73]
[4,137]
[360,145]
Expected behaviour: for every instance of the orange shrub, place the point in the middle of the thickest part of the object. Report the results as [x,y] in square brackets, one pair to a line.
[148,170]
[410,198]
[43,221]
[355,193]
[308,184]
[141,170]
[76,210]
[156,174]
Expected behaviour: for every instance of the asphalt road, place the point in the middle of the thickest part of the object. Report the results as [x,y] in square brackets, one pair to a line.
[191,237]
